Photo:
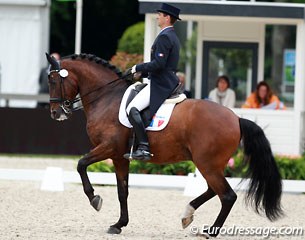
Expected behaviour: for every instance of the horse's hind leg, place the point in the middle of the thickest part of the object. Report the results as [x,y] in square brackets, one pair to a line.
[227,197]
[188,216]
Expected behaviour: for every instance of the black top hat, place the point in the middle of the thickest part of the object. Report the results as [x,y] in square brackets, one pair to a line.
[169,9]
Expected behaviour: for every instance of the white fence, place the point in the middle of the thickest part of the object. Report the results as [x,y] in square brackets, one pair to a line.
[284,129]
[53,179]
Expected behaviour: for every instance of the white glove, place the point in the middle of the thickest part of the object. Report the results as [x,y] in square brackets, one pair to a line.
[133,69]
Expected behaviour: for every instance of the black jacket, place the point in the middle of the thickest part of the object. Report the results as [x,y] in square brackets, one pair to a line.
[162,68]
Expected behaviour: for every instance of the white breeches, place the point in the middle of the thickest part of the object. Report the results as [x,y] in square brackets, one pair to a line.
[140,101]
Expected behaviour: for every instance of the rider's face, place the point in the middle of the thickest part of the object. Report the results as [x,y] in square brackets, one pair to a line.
[162,19]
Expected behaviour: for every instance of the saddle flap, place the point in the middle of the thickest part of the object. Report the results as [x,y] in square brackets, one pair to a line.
[160,119]
[134,91]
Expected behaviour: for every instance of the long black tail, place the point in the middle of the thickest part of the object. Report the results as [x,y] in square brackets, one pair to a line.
[265,188]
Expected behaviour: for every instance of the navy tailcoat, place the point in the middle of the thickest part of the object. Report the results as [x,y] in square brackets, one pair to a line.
[161,70]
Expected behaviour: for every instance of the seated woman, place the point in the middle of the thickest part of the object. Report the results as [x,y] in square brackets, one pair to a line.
[223,94]
[263,98]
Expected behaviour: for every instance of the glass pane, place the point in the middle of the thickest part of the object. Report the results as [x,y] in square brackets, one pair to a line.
[237,65]
[280,61]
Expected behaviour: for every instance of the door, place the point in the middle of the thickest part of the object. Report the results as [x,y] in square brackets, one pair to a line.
[237,60]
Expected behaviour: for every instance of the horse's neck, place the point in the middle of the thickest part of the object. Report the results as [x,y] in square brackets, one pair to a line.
[102,96]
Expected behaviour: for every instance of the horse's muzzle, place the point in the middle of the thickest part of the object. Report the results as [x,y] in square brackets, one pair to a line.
[59,114]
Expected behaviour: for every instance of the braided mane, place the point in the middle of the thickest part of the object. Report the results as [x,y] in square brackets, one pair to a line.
[98,60]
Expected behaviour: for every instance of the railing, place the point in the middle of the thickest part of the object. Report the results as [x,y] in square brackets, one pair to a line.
[44,98]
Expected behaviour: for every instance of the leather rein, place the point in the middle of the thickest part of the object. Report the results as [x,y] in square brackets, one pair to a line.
[67,104]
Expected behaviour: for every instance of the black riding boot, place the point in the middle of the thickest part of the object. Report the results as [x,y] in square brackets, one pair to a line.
[142,153]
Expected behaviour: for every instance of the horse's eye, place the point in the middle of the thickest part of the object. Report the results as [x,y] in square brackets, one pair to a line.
[52,81]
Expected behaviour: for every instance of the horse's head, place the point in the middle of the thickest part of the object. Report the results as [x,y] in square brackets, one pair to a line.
[63,90]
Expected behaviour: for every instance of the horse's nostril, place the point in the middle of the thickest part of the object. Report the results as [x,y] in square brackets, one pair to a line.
[53,113]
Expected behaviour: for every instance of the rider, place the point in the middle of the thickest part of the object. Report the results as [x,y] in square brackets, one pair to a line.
[161,72]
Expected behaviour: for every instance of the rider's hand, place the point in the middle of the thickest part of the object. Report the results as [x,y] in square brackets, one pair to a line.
[127,72]
[133,69]
[137,76]
[128,75]
[131,75]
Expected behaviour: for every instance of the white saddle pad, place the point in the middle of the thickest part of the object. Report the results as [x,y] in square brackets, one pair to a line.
[161,118]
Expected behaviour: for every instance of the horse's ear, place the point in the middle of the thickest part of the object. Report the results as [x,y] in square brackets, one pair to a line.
[53,62]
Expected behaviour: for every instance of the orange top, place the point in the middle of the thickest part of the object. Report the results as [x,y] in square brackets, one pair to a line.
[251,103]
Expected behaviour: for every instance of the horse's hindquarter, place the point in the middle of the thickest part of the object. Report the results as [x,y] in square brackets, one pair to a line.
[197,129]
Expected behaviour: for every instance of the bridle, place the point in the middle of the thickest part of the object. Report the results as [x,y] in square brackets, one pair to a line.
[67,104]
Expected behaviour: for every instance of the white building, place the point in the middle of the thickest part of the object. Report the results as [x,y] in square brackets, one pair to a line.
[242,25]
[24,38]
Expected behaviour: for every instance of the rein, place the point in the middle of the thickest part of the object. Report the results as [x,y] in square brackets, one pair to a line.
[66,104]
[78,99]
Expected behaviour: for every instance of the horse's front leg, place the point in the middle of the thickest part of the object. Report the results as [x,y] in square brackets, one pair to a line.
[83,163]
[122,171]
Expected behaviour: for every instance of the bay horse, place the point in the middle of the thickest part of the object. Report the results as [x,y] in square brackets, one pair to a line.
[199,130]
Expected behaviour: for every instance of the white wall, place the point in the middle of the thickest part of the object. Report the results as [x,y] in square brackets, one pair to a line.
[24,31]
[279,126]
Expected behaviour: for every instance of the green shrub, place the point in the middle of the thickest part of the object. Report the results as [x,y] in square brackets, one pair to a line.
[124,60]
[131,47]
[240,167]
[181,168]
[101,167]
[132,40]
[289,167]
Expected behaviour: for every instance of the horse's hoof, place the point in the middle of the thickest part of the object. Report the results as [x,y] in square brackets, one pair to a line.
[204,235]
[97,202]
[114,230]
[187,221]
[208,233]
